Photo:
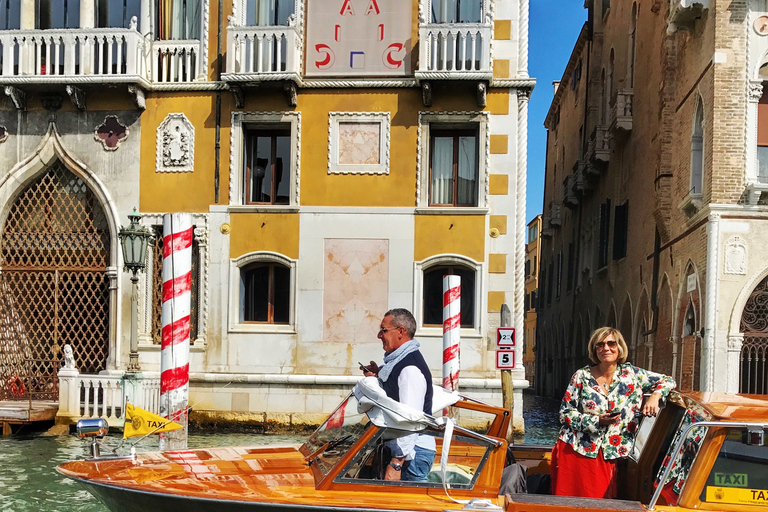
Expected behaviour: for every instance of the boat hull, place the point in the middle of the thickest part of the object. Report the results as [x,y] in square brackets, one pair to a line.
[120,499]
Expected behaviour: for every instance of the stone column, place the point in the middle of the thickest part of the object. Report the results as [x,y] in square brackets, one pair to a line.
[69,389]
[145,19]
[735,341]
[87,13]
[27,15]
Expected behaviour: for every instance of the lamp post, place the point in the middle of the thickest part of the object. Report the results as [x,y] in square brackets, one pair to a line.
[134,240]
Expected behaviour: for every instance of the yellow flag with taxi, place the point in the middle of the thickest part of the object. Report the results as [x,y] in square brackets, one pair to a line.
[139,422]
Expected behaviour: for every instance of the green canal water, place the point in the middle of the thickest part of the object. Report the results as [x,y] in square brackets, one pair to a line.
[29,482]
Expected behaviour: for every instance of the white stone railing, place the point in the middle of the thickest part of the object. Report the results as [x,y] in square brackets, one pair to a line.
[70,53]
[104,396]
[456,49]
[175,61]
[263,50]
[621,111]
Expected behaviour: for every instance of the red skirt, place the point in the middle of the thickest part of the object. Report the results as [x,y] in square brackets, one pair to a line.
[574,474]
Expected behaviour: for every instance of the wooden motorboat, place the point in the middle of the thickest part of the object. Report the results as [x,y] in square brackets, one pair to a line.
[708,449]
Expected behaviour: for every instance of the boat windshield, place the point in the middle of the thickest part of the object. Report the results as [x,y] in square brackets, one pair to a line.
[328,444]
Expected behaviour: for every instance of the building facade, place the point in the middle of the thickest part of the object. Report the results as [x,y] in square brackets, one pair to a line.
[655,217]
[532,257]
[338,158]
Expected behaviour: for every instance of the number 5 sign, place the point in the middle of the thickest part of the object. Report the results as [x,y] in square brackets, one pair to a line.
[505,360]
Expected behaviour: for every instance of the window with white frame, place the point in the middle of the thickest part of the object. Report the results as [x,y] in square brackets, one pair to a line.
[762,132]
[178,19]
[264,161]
[359,143]
[429,286]
[453,169]
[697,150]
[262,292]
[267,162]
[268,13]
[452,159]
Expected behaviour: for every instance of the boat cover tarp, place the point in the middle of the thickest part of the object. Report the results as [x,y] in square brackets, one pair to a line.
[385,412]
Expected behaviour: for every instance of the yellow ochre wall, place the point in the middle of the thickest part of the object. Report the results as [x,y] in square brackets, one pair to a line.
[275,232]
[183,191]
[449,234]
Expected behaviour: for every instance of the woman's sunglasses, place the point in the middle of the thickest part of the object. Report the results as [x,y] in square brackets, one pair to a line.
[601,344]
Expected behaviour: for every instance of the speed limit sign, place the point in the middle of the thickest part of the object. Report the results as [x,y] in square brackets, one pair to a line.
[505,360]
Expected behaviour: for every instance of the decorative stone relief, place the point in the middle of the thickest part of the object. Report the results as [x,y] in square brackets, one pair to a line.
[3,134]
[111,133]
[175,144]
[736,256]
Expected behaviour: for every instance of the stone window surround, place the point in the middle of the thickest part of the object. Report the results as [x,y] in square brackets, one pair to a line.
[418,293]
[235,264]
[458,120]
[336,118]
[237,149]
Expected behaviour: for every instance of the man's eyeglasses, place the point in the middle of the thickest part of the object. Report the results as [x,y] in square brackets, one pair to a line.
[385,329]
[602,344]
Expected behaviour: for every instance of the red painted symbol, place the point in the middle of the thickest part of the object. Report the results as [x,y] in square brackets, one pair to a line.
[329,56]
[381,32]
[373,7]
[389,61]
[346,8]
[337,32]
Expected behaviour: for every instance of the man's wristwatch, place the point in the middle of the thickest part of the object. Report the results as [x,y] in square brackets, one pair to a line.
[396,466]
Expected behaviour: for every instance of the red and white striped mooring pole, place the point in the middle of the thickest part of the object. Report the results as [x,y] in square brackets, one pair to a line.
[451,326]
[174,356]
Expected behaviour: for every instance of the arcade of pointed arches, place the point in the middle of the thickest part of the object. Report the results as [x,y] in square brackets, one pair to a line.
[671,345]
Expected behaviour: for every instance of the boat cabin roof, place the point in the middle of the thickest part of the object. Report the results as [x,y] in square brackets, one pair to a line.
[729,407]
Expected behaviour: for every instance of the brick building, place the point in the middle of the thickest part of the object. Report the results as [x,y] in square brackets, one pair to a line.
[532,257]
[655,214]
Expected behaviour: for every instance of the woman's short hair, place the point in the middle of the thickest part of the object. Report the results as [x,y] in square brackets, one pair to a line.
[599,335]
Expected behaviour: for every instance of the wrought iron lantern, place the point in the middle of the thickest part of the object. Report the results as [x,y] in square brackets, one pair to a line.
[134,240]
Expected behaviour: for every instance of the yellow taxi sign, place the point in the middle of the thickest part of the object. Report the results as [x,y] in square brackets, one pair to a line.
[736,495]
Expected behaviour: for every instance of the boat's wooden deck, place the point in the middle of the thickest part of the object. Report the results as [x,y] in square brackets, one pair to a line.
[521,502]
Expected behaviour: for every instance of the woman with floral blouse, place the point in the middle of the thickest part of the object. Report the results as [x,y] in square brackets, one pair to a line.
[599,414]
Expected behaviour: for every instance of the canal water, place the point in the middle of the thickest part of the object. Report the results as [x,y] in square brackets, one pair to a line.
[29,482]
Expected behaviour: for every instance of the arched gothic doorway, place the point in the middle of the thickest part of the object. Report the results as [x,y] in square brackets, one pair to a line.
[753,371]
[54,285]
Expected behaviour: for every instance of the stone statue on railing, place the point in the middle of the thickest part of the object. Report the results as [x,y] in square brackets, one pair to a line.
[69,358]
[69,388]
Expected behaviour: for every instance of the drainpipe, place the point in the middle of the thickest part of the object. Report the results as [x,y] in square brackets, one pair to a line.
[216,174]
[710,307]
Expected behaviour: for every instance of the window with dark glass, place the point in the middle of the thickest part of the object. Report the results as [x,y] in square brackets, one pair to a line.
[457,11]
[605,224]
[267,166]
[265,293]
[453,168]
[10,14]
[117,13]
[571,267]
[57,14]
[433,294]
[620,230]
[559,272]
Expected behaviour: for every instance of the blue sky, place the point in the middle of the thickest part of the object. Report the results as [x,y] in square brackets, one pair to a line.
[553,29]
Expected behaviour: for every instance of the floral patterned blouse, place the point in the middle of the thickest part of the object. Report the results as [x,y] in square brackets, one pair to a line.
[584,399]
